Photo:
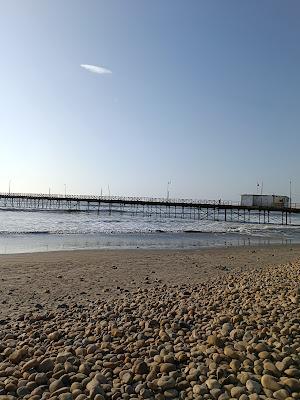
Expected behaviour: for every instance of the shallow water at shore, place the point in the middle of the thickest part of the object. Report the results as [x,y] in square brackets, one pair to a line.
[41,242]
[23,231]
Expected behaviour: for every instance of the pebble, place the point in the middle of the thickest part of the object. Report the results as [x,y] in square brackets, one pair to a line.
[167,367]
[212,384]
[46,365]
[292,383]
[230,352]
[214,340]
[237,391]
[253,386]
[17,356]
[281,394]
[269,382]
[166,382]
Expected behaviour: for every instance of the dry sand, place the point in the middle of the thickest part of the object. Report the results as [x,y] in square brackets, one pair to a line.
[208,324]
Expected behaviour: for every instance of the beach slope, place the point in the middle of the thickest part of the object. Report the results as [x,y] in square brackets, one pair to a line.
[209,324]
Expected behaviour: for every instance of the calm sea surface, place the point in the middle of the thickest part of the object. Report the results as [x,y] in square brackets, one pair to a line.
[28,231]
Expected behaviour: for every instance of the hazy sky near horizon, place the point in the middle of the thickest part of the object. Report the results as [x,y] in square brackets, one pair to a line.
[203,93]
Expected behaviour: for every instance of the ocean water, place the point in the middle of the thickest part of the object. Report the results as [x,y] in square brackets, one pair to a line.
[31,231]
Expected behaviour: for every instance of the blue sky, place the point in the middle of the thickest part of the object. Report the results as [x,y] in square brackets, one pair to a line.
[203,93]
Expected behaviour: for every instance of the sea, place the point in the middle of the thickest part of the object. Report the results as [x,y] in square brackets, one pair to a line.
[39,231]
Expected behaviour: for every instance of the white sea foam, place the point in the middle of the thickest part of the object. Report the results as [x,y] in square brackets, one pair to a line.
[81,223]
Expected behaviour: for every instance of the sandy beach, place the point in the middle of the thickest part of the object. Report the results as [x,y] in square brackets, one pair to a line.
[206,324]
[50,279]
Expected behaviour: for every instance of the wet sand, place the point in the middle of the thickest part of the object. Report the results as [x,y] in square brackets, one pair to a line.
[48,280]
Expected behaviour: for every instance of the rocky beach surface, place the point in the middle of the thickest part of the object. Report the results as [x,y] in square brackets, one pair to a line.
[150,331]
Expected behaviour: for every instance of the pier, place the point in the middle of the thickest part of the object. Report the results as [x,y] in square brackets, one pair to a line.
[214,210]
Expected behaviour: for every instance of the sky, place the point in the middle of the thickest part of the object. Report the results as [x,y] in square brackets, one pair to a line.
[204,94]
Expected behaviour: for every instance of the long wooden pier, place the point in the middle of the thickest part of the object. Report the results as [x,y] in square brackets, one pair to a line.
[152,207]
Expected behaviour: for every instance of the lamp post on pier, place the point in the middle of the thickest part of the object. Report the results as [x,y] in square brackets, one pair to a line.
[168,190]
[290,201]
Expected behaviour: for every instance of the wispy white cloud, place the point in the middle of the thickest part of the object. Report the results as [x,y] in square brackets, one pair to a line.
[96,69]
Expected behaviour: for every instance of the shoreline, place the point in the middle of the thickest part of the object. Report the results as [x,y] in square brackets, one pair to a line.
[37,243]
[158,250]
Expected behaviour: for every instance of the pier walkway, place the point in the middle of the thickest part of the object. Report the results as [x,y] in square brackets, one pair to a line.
[215,210]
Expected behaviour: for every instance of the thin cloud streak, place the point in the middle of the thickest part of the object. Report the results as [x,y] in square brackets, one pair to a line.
[96,69]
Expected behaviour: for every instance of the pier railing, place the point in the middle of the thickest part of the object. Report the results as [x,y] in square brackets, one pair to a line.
[118,198]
